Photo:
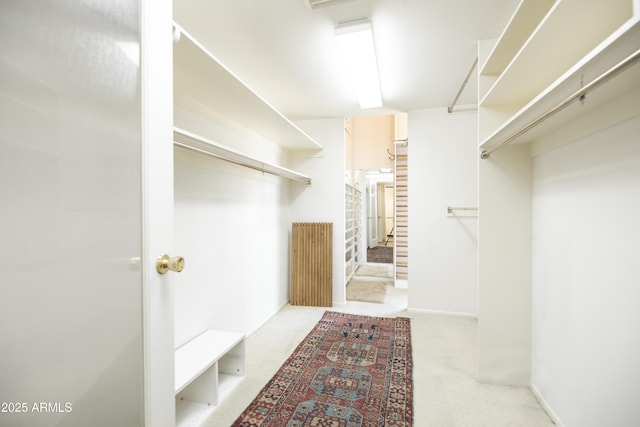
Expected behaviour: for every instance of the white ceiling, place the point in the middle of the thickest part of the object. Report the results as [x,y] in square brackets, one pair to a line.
[287,53]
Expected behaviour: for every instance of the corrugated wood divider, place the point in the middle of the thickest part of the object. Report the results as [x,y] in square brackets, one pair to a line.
[402,213]
[311,264]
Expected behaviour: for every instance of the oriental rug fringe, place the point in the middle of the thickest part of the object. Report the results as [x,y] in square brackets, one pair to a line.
[350,371]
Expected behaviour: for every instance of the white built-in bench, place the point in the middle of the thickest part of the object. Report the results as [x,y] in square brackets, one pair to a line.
[207,368]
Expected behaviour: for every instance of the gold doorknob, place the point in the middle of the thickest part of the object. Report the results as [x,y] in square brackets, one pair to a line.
[166,263]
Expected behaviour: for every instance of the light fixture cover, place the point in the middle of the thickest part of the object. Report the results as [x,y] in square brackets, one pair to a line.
[355,43]
[316,4]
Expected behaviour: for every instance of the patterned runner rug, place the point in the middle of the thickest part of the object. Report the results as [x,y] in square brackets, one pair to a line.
[383,254]
[350,371]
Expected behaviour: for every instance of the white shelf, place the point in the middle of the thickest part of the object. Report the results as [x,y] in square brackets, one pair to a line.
[203,145]
[619,45]
[526,18]
[199,354]
[199,76]
[190,414]
[566,34]
[207,368]
[227,383]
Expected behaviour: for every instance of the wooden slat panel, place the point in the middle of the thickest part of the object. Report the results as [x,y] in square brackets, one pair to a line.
[312,264]
[402,208]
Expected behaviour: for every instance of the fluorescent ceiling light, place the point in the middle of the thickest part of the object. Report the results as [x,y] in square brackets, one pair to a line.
[355,42]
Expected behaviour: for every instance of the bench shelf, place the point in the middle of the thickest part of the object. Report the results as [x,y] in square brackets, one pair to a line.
[207,368]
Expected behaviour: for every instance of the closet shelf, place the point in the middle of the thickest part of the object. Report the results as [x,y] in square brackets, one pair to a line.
[191,141]
[572,28]
[200,77]
[622,44]
[522,23]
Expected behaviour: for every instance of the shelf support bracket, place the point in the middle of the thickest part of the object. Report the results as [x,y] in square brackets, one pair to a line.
[464,83]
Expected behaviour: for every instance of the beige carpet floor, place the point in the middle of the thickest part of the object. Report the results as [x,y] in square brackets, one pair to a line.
[447,392]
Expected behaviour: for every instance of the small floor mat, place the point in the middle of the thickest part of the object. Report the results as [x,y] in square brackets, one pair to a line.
[375,271]
[367,290]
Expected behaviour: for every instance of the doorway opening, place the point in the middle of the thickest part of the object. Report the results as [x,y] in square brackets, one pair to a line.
[371,147]
[380,215]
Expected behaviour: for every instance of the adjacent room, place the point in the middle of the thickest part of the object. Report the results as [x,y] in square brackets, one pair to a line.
[231,212]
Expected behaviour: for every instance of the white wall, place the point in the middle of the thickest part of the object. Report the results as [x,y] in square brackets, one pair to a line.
[586,278]
[442,250]
[324,201]
[504,267]
[372,136]
[231,227]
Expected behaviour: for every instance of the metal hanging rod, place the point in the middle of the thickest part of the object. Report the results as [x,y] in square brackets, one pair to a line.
[575,96]
[451,211]
[401,142]
[193,142]
[464,83]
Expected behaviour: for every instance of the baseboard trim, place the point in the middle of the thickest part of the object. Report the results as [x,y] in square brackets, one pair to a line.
[401,283]
[443,313]
[278,310]
[545,405]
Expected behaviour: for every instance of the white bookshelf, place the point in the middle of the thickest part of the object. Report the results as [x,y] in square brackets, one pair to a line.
[350,232]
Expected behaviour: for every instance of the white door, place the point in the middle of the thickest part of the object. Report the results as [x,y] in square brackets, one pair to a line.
[81,219]
[389,214]
[372,214]
[157,173]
